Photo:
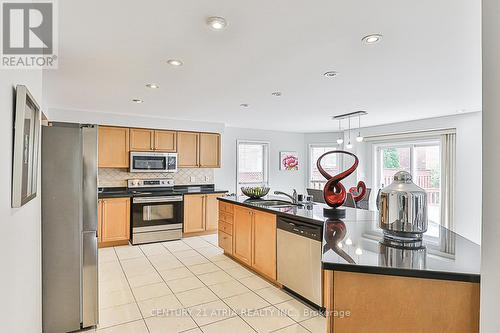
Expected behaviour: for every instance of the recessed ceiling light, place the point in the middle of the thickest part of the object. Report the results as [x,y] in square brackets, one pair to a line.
[152,86]
[330,74]
[216,22]
[174,62]
[137,100]
[277,93]
[371,39]
[244,105]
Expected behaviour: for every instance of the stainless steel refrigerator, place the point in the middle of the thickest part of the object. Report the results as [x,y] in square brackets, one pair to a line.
[69,227]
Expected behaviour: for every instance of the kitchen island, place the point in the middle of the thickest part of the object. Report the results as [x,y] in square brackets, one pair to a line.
[372,283]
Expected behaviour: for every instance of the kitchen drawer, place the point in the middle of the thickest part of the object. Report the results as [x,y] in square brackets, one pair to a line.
[226,242]
[229,208]
[226,217]
[226,227]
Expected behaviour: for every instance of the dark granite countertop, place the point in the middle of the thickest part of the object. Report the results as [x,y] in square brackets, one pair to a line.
[356,244]
[123,192]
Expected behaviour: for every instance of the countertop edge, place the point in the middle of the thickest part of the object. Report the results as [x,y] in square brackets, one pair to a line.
[272,211]
[434,275]
[129,195]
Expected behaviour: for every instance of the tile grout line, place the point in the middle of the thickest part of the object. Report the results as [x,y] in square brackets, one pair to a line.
[207,286]
[133,295]
[219,268]
[177,298]
[222,300]
[254,292]
[136,304]
[295,322]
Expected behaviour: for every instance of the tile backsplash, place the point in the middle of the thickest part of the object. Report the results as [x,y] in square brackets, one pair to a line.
[110,177]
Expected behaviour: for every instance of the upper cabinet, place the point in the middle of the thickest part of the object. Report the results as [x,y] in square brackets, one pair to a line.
[113,147]
[165,141]
[195,150]
[148,140]
[141,139]
[209,150]
[187,149]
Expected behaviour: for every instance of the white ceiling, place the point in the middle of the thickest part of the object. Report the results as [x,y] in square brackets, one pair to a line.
[428,63]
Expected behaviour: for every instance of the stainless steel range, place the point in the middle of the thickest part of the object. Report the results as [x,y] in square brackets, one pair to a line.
[157,211]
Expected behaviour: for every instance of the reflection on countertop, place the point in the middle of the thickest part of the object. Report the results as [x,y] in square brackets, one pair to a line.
[362,247]
[356,243]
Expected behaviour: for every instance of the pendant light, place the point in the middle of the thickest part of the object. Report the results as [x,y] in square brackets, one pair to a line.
[340,140]
[349,144]
[359,138]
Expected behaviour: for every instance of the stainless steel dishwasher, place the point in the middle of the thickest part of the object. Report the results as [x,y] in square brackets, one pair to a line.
[299,258]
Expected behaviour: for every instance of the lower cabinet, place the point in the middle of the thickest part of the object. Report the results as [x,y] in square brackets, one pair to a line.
[264,244]
[242,234]
[201,213]
[254,240]
[113,221]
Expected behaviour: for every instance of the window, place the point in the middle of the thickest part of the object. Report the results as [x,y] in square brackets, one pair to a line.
[330,163]
[252,164]
[422,160]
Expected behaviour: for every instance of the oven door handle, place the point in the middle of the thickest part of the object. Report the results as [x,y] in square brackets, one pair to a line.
[157,199]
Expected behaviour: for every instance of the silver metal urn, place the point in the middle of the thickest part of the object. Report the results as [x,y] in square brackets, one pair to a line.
[403,208]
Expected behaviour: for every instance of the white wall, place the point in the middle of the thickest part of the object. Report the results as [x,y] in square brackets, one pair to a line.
[490,261]
[20,247]
[128,120]
[225,177]
[468,164]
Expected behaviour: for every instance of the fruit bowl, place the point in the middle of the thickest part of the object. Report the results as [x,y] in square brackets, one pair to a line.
[255,192]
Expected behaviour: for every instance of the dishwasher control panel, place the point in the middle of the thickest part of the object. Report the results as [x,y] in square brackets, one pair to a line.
[300,228]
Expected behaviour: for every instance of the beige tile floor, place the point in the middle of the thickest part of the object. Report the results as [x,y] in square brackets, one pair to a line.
[190,286]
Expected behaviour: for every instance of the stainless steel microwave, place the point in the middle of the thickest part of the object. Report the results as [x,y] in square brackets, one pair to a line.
[153,162]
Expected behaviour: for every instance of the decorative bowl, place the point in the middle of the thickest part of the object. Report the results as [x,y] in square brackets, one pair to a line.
[255,192]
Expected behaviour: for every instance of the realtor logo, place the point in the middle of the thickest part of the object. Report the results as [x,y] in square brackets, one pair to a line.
[28,35]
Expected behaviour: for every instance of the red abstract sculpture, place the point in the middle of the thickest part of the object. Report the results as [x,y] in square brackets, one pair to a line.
[359,192]
[334,192]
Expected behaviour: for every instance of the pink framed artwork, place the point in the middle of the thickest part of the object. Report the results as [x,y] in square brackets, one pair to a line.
[289,161]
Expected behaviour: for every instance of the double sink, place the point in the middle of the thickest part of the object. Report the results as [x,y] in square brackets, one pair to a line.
[272,203]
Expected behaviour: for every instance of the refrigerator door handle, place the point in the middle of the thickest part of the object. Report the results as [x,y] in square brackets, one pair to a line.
[89,182]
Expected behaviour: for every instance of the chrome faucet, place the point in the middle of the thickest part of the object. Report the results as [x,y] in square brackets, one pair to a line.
[294,196]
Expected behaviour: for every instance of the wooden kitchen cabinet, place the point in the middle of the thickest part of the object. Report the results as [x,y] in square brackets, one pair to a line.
[209,150]
[242,234]
[201,213]
[113,147]
[194,213]
[264,243]
[211,211]
[226,227]
[165,141]
[99,221]
[187,149]
[194,150]
[253,234]
[113,221]
[141,139]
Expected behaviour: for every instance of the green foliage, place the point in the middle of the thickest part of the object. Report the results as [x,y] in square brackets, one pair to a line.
[435,178]
[391,158]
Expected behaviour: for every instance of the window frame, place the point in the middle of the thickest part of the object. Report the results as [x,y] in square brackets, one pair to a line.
[410,143]
[309,158]
[265,160]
